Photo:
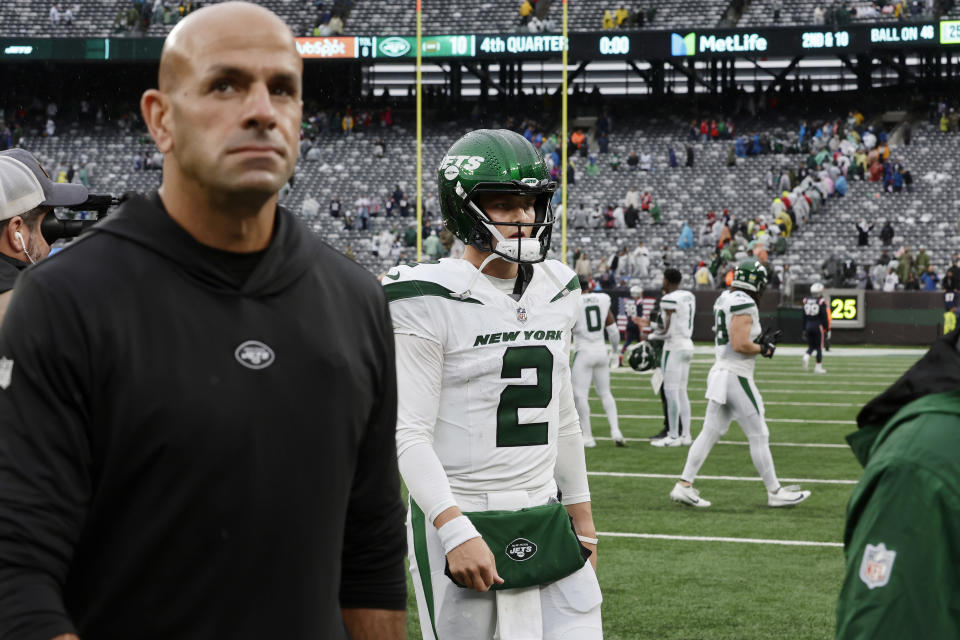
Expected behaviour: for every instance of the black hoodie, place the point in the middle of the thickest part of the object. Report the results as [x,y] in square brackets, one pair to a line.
[10,268]
[187,453]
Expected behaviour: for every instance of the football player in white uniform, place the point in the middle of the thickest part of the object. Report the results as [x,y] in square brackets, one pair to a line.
[731,392]
[677,310]
[487,431]
[591,363]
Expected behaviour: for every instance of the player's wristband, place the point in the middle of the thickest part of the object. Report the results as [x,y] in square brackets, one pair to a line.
[455,532]
[588,539]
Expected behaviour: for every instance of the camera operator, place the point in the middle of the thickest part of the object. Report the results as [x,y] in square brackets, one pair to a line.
[27,195]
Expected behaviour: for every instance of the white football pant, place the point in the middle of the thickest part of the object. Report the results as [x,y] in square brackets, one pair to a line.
[676,373]
[732,397]
[590,365]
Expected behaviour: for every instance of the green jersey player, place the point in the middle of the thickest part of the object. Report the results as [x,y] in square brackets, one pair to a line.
[731,392]
[486,417]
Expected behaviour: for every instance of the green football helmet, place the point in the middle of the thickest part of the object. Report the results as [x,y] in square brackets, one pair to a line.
[496,161]
[750,276]
[645,357]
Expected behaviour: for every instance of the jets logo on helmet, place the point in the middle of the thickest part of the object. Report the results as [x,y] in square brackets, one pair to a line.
[750,276]
[496,161]
[644,357]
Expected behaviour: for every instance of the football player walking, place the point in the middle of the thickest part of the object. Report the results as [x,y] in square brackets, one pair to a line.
[487,431]
[815,326]
[677,309]
[731,392]
[590,361]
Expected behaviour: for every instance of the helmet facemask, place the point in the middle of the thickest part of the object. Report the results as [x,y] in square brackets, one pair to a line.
[494,237]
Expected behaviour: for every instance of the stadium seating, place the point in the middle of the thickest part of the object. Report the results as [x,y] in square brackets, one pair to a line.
[349,170]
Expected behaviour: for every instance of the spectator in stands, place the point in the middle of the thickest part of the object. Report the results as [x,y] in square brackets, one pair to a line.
[863,233]
[686,240]
[886,233]
[692,131]
[891,281]
[646,161]
[633,161]
[55,15]
[912,284]
[526,10]
[922,261]
[951,279]
[929,279]
[905,264]
[335,207]
[620,17]
[640,260]
[704,131]
[577,140]
[582,265]
[347,123]
[432,246]
[379,148]
[608,20]
[672,157]
[689,162]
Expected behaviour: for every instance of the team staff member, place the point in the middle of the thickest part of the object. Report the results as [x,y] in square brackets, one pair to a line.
[903,520]
[27,195]
[186,449]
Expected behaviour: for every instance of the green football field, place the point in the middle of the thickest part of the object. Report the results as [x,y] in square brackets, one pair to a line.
[738,569]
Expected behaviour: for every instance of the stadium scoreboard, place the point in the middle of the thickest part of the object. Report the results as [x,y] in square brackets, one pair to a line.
[847,308]
[597,45]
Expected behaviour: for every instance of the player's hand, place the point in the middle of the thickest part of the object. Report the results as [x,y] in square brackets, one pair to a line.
[473,565]
[767,349]
[769,335]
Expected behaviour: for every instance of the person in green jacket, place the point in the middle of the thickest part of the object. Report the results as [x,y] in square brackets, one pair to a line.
[903,521]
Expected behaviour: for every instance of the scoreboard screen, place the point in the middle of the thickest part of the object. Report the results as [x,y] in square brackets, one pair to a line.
[847,308]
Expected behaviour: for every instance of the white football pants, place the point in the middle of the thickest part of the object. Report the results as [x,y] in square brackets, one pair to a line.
[676,372]
[590,365]
[732,397]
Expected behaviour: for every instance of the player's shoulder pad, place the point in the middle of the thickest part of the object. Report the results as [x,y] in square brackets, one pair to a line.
[737,298]
[445,279]
[563,274]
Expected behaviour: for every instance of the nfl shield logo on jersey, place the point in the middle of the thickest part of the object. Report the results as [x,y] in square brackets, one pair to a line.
[522,315]
[877,565]
[6,372]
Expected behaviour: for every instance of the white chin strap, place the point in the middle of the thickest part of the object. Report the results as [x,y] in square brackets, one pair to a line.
[517,249]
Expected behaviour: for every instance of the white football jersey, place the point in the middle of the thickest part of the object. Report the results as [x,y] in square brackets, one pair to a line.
[589,332]
[683,304]
[730,303]
[505,362]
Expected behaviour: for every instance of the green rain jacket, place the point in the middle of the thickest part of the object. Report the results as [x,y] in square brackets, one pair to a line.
[902,535]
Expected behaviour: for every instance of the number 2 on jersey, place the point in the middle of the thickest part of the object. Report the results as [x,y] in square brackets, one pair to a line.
[510,431]
[722,337]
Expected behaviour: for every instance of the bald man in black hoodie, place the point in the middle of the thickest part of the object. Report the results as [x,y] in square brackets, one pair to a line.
[187,449]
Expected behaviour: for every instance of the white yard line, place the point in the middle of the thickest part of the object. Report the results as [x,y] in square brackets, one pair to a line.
[770,403]
[767,390]
[652,416]
[812,445]
[668,476]
[663,536]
